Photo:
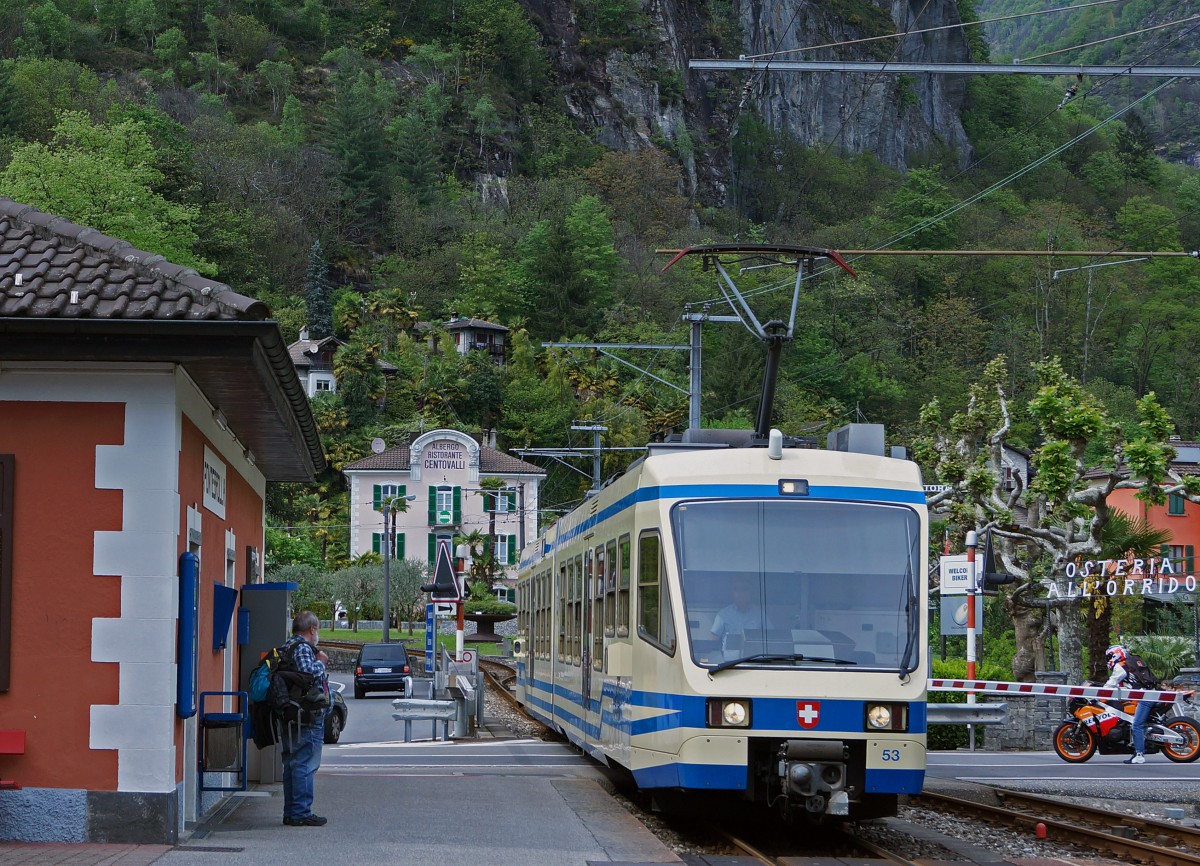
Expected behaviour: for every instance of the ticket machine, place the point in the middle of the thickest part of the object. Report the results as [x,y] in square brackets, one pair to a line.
[264,621]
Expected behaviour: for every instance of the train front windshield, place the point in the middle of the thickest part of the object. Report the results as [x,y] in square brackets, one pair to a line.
[800,583]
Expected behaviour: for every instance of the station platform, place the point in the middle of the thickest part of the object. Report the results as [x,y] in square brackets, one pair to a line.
[418,818]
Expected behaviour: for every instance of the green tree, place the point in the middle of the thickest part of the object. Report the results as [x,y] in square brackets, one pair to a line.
[47,31]
[1135,150]
[571,262]
[277,75]
[354,133]
[1083,457]
[103,176]
[171,49]
[489,287]
[44,88]
[359,588]
[415,150]
[316,293]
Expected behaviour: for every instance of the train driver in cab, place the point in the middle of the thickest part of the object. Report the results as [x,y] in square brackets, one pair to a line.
[744,614]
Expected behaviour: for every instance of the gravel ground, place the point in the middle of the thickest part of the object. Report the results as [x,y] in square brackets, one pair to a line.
[916,833]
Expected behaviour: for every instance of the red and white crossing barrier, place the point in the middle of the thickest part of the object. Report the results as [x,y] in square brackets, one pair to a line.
[1051,690]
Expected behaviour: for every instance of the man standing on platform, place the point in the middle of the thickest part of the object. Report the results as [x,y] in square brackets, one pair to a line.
[301,737]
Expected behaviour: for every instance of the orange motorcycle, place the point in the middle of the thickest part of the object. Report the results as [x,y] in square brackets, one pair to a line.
[1098,726]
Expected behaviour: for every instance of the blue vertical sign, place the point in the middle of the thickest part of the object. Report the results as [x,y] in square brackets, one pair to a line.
[187,649]
[430,636]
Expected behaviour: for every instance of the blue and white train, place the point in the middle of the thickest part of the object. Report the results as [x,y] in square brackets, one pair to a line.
[748,622]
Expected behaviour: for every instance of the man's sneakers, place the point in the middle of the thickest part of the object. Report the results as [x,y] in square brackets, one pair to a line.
[1138,758]
[306,821]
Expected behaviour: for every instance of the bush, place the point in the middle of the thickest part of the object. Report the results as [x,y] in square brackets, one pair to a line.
[949,737]
[483,601]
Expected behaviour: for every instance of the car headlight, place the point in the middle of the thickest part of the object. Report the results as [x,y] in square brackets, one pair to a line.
[879,716]
[728,713]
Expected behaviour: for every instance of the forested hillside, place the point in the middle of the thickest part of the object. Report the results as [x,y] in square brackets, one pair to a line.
[1141,32]
[364,166]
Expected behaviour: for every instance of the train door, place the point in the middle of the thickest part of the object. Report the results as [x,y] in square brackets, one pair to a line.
[585,636]
[528,595]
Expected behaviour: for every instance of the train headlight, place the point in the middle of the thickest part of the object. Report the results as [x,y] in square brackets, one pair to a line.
[728,713]
[887,717]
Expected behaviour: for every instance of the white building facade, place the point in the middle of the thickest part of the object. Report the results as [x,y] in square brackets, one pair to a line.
[439,476]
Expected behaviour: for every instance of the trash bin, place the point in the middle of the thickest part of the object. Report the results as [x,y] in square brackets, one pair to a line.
[223,741]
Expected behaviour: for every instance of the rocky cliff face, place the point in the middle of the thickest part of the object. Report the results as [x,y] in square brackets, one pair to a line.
[632,100]
[896,118]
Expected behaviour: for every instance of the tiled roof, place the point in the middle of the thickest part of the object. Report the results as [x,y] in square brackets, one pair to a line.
[71,294]
[491,462]
[52,268]
[303,353]
[477,324]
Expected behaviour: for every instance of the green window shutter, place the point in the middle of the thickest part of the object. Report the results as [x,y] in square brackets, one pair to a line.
[378,497]
[457,519]
[399,552]
[512,499]
[512,550]
[432,511]
[432,549]
[1189,556]
[402,490]
[489,501]
[376,541]
[487,545]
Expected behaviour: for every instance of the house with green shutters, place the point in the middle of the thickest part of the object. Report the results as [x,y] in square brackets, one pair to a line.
[438,476]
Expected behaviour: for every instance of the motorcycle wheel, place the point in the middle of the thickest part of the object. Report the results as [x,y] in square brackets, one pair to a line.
[1074,743]
[1190,749]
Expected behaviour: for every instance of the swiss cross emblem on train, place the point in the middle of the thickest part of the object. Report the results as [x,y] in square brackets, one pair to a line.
[808,713]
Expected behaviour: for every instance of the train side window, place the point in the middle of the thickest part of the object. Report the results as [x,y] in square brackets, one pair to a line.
[610,592]
[655,622]
[623,569]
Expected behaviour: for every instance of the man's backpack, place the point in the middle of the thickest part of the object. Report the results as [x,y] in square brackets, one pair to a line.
[260,677]
[294,696]
[1140,673]
[279,692]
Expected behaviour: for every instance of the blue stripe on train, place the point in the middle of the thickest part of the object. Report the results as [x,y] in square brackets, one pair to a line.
[894,781]
[730,777]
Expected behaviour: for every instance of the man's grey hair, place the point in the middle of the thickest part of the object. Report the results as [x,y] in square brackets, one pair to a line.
[306,620]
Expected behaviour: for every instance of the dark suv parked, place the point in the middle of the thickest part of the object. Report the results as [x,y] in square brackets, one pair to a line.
[380,667]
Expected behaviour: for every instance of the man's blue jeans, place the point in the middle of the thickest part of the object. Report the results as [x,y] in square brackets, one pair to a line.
[301,750]
[1139,725]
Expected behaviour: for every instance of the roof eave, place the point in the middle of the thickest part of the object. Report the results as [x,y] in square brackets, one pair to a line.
[275,421]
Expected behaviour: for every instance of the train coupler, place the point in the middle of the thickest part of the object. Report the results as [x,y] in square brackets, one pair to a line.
[813,776]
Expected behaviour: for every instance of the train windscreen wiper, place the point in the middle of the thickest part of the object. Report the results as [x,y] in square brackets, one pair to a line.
[780,657]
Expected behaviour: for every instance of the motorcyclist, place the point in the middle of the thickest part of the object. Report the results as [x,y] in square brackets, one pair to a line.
[1118,674]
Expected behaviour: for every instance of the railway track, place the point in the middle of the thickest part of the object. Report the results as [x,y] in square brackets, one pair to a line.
[1142,840]
[843,846]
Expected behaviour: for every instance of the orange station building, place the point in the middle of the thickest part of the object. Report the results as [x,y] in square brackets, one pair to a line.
[143,408]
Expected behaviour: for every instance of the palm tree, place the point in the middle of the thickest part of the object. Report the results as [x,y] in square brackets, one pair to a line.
[478,544]
[489,489]
[1123,537]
